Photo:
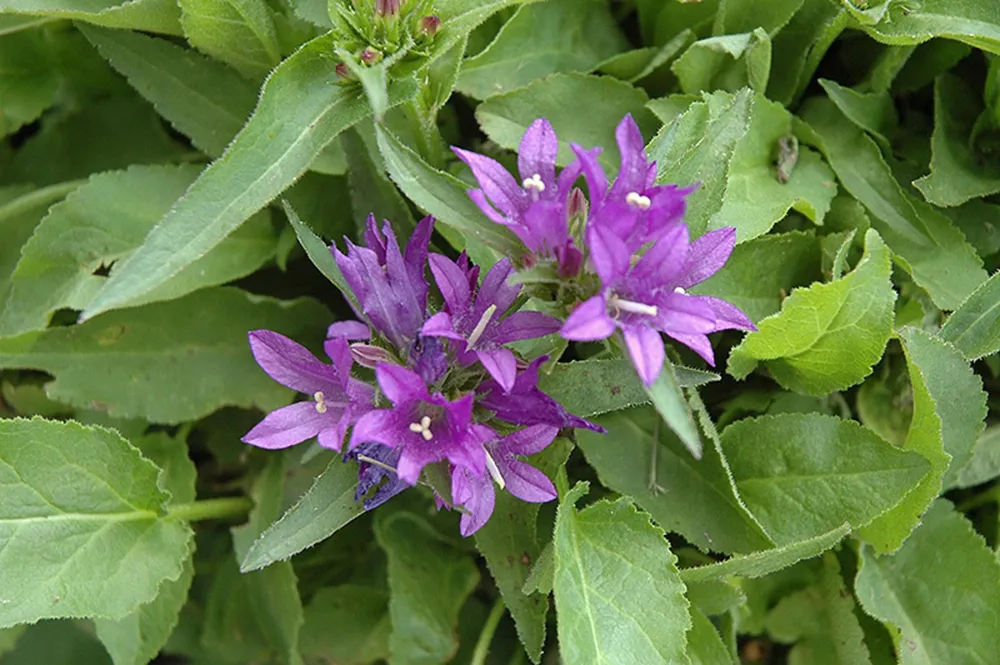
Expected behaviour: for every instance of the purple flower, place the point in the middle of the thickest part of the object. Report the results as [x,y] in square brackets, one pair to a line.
[634,208]
[526,404]
[424,427]
[389,286]
[475,317]
[376,462]
[475,492]
[535,208]
[337,400]
[651,296]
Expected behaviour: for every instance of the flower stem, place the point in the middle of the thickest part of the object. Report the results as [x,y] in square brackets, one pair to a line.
[486,636]
[210,509]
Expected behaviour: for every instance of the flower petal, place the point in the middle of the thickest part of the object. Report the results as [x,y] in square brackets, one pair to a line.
[400,384]
[597,181]
[351,330]
[685,314]
[502,366]
[707,255]
[291,364]
[537,153]
[697,343]
[340,353]
[413,459]
[645,346]
[528,441]
[378,426]
[498,185]
[290,425]
[610,256]
[476,495]
[589,321]
[526,482]
[664,262]
[727,315]
[441,325]
[495,290]
[632,176]
[524,325]
[452,282]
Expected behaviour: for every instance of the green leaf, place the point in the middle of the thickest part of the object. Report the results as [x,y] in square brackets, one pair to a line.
[798,48]
[240,33]
[441,194]
[728,62]
[924,242]
[874,112]
[698,147]
[11,23]
[695,498]
[360,618]
[146,15]
[105,220]
[429,581]
[924,354]
[705,646]
[189,356]
[616,586]
[509,541]
[276,147]
[505,117]
[985,463]
[544,569]
[974,328]
[947,613]
[201,98]
[715,596]
[90,501]
[372,193]
[591,387]
[673,407]
[326,507]
[803,474]
[766,562]
[957,172]
[319,253]
[542,39]
[971,21]
[58,643]
[30,80]
[756,198]
[829,336]
[761,272]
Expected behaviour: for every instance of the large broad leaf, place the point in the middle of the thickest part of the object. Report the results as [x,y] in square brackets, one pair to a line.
[616,586]
[829,336]
[240,33]
[803,474]
[21,208]
[958,173]
[167,362]
[974,328]
[327,506]
[761,272]
[971,21]
[947,612]
[643,459]
[505,118]
[510,543]
[758,196]
[672,404]
[277,145]
[925,355]
[105,220]
[147,15]
[985,463]
[543,39]
[698,147]
[801,44]
[766,562]
[347,624]
[923,240]
[727,62]
[30,81]
[429,581]
[90,502]
[202,98]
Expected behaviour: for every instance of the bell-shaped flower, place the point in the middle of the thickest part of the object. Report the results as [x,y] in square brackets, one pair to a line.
[388,284]
[475,493]
[424,427]
[634,207]
[475,317]
[534,208]
[651,296]
[526,404]
[336,399]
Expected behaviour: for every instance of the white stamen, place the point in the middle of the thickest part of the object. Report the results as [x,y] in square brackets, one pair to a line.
[320,404]
[484,320]
[423,428]
[680,291]
[637,200]
[491,466]
[375,462]
[633,307]
[534,184]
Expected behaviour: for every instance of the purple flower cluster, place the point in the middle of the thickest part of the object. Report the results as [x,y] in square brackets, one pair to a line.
[448,389]
[633,239]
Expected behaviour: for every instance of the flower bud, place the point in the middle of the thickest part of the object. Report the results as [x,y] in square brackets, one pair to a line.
[342,71]
[387,7]
[370,56]
[368,355]
[429,25]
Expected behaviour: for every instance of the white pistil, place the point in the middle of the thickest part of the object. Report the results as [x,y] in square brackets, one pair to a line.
[320,403]
[633,307]
[680,291]
[484,321]
[637,200]
[534,184]
[423,428]
[491,466]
